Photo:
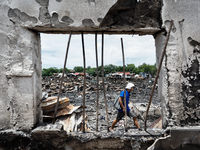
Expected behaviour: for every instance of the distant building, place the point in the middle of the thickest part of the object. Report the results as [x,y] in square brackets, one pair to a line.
[119,75]
[127,74]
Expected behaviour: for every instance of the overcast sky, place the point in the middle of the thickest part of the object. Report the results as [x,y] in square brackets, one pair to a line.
[137,49]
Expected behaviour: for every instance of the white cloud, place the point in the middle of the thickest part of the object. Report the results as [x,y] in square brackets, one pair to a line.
[138,50]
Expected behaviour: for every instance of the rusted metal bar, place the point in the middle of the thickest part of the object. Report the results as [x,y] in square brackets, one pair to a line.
[124,85]
[103,82]
[97,81]
[83,83]
[158,71]
[55,112]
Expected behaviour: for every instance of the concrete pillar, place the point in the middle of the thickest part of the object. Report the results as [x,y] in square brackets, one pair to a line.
[162,80]
[20,78]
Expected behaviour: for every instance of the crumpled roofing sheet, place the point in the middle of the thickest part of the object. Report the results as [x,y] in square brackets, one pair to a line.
[50,103]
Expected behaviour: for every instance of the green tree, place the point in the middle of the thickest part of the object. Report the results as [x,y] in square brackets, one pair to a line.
[66,70]
[91,71]
[78,69]
[142,67]
[100,71]
[50,71]
[112,68]
[109,69]
[106,69]
[137,71]
[88,68]
[119,68]
[153,70]
[45,72]
[150,69]
[131,68]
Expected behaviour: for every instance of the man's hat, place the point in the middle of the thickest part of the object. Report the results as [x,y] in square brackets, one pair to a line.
[130,85]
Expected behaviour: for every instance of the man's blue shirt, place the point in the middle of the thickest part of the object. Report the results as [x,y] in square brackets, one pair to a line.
[127,100]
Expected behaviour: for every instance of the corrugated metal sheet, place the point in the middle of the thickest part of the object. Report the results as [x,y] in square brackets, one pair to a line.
[73,122]
[49,104]
[65,114]
[68,110]
[68,122]
[53,100]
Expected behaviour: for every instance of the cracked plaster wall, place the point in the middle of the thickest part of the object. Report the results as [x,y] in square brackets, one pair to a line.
[59,15]
[21,20]
[20,79]
[87,15]
[182,63]
[21,55]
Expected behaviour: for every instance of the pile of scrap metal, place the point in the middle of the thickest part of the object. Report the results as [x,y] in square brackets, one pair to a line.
[70,116]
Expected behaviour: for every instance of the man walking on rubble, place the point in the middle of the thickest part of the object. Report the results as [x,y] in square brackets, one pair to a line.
[121,112]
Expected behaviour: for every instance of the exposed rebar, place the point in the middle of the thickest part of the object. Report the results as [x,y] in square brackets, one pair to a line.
[83,82]
[124,85]
[97,81]
[103,81]
[67,50]
[158,71]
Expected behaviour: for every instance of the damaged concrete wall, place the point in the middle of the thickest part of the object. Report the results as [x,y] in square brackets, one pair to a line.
[138,16]
[21,20]
[59,15]
[79,15]
[162,82]
[182,62]
[20,78]
[20,90]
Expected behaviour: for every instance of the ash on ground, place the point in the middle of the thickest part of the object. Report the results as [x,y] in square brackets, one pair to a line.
[73,89]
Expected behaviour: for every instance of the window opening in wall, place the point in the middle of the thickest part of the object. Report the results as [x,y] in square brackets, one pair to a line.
[140,69]
[138,50]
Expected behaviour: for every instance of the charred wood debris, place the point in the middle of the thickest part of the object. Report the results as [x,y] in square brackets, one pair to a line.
[71,101]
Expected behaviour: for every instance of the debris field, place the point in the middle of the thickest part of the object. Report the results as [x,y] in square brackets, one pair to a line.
[71,101]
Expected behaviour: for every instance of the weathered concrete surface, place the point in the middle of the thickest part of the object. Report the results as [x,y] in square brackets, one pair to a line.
[20,79]
[63,16]
[181,86]
[21,20]
[20,55]
[162,82]
[49,16]
[54,137]
[182,138]
[143,17]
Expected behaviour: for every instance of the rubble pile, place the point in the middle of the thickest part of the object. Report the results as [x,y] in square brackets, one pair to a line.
[51,85]
[73,89]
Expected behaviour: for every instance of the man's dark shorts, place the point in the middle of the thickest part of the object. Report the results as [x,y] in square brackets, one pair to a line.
[120,115]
